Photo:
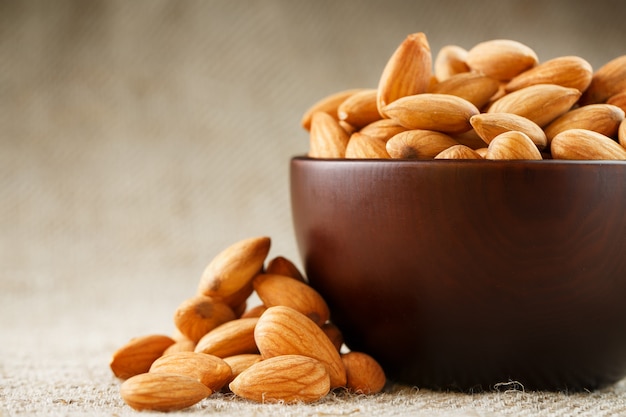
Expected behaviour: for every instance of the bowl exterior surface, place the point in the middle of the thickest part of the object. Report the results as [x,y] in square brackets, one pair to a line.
[468,274]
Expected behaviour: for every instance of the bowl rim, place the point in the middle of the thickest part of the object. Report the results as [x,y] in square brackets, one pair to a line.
[486,162]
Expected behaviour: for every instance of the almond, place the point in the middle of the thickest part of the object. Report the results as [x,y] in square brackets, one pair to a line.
[208,369]
[566,71]
[286,379]
[608,80]
[364,373]
[136,356]
[513,145]
[458,152]
[231,338]
[233,268]
[440,112]
[327,104]
[540,103]
[472,86]
[361,146]
[490,125]
[471,139]
[239,363]
[284,331]
[621,133]
[382,129]
[334,334]
[162,392]
[327,138]
[360,109]
[580,144]
[618,100]
[181,345]
[450,60]
[283,266]
[418,144]
[197,315]
[502,59]
[601,118]
[275,290]
[407,72]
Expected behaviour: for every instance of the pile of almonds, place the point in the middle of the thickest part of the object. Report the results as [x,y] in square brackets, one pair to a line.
[493,101]
[284,349]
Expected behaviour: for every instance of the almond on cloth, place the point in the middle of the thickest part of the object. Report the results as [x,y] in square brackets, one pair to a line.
[364,373]
[136,356]
[231,338]
[284,331]
[288,379]
[162,392]
[207,369]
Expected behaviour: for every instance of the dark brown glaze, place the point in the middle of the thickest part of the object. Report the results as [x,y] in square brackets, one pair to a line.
[466,274]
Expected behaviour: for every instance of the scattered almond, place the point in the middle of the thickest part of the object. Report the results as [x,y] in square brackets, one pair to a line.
[283,266]
[162,392]
[199,314]
[364,373]
[239,363]
[208,369]
[279,290]
[284,331]
[231,338]
[233,269]
[136,356]
[286,379]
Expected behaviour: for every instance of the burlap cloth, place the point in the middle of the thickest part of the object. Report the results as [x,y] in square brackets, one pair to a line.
[140,138]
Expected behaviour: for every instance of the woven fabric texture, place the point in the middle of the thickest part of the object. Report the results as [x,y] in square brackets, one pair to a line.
[139,139]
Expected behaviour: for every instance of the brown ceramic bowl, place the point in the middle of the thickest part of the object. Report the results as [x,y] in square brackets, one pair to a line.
[467,274]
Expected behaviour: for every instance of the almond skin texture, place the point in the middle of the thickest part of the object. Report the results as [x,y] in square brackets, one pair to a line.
[407,72]
[207,369]
[360,109]
[513,145]
[541,103]
[288,378]
[137,355]
[581,144]
[198,315]
[566,71]
[162,392]
[364,373]
[601,118]
[458,152]
[472,86]
[362,146]
[621,133]
[284,331]
[608,80]
[181,345]
[328,104]
[428,111]
[255,311]
[418,144]
[233,268]
[450,60]
[276,290]
[502,59]
[618,100]
[490,125]
[283,266]
[382,129]
[231,338]
[238,364]
[327,138]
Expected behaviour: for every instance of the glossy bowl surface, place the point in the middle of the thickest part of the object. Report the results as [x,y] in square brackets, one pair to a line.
[467,274]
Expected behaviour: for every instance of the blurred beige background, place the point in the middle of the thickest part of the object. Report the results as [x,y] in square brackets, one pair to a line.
[139,138]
